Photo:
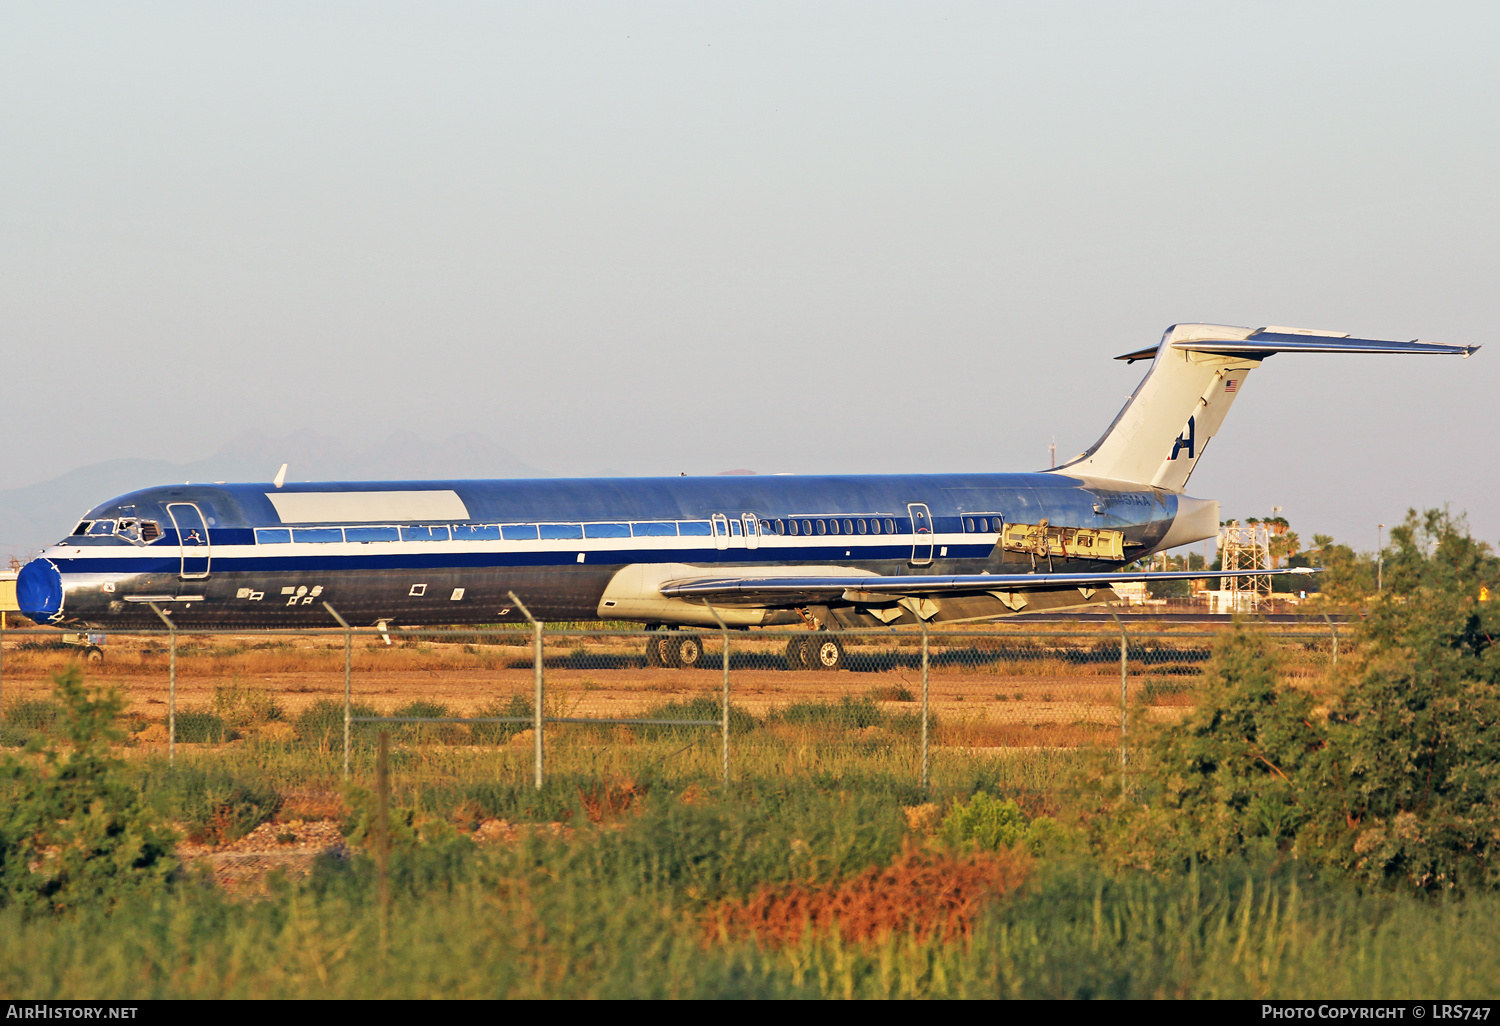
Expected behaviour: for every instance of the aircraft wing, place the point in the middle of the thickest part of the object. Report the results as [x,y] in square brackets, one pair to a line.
[799,591]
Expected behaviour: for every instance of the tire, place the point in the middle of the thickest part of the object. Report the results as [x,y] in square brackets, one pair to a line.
[93,655]
[825,653]
[690,652]
[669,647]
[654,644]
[796,654]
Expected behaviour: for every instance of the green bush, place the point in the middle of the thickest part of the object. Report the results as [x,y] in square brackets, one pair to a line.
[24,720]
[986,823]
[499,733]
[322,724]
[1415,744]
[705,707]
[1398,783]
[848,712]
[216,805]
[195,726]
[74,831]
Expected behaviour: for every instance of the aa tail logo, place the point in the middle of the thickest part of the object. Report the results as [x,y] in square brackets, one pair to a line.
[1187,440]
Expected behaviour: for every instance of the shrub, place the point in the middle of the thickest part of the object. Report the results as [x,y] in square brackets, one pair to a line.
[240,706]
[1416,742]
[216,806]
[499,733]
[194,726]
[322,723]
[73,831]
[705,707]
[848,712]
[984,822]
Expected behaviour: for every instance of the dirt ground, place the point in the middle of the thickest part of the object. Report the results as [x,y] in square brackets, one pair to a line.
[604,678]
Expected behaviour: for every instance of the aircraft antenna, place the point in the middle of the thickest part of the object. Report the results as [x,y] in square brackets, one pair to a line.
[280,476]
[1052,453]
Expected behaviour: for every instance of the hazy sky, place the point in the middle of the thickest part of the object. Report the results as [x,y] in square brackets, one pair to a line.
[797,237]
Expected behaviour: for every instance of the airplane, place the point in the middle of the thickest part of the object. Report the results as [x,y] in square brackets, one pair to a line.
[828,552]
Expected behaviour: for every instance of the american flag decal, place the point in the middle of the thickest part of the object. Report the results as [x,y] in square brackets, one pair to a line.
[1231,384]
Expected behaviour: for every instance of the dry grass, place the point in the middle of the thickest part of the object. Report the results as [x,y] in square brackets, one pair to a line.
[922,893]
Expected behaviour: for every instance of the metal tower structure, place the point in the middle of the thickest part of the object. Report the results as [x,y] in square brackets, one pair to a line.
[1246,547]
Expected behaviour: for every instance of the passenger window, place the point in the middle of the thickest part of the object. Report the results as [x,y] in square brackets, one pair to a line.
[318,535]
[792,527]
[781,527]
[654,530]
[984,525]
[273,535]
[848,527]
[822,526]
[695,529]
[606,530]
[874,526]
[890,526]
[969,524]
[807,527]
[734,528]
[424,533]
[518,532]
[371,534]
[861,525]
[461,532]
[558,531]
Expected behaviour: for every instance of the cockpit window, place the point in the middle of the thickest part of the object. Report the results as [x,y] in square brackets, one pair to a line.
[101,528]
[83,527]
[135,530]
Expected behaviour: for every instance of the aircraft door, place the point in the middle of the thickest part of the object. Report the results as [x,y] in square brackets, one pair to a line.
[752,530]
[192,538]
[921,533]
[721,531]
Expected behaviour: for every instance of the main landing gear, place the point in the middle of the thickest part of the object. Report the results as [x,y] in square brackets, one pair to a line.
[674,650]
[820,651]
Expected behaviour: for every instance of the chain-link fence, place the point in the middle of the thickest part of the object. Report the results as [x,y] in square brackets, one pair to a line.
[533,700]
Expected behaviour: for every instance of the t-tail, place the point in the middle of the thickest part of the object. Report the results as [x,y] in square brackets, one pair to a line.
[1196,372]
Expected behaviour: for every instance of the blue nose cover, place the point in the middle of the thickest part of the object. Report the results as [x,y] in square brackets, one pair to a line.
[39,590]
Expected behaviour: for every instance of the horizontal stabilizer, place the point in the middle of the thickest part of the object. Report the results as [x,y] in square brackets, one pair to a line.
[866,590]
[1268,341]
[1197,371]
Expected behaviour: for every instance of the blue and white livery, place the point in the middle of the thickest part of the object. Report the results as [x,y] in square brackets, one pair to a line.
[852,551]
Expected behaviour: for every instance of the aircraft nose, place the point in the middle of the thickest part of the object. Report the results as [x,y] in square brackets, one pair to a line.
[39,590]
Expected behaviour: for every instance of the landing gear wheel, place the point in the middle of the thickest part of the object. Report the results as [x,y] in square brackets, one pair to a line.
[796,654]
[93,655]
[690,652]
[655,642]
[825,653]
[668,646]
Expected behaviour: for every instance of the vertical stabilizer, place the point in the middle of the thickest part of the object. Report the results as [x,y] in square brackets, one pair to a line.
[1197,371]
[1179,405]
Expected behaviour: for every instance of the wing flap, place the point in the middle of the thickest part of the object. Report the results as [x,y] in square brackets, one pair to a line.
[797,591]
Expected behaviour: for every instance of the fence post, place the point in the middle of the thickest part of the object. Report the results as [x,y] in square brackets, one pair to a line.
[383,834]
[1333,628]
[348,659]
[171,686]
[925,662]
[725,728]
[536,711]
[1124,693]
[2,668]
